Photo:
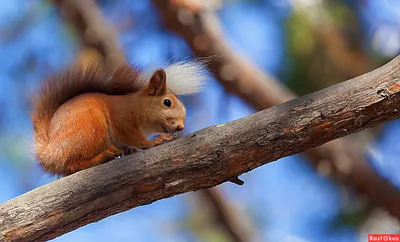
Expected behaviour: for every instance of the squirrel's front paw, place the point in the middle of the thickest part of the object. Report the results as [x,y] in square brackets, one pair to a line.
[162,138]
[166,137]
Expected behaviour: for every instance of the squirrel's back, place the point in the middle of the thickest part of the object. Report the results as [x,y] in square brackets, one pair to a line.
[62,87]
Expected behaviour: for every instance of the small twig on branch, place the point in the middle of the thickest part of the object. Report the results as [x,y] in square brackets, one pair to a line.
[237,181]
[205,158]
[344,162]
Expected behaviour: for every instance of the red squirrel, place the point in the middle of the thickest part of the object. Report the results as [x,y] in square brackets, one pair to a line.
[85,118]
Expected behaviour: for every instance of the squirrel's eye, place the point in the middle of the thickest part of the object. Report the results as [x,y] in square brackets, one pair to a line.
[167,102]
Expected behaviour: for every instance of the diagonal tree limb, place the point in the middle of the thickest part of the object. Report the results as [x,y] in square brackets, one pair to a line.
[344,161]
[100,43]
[205,158]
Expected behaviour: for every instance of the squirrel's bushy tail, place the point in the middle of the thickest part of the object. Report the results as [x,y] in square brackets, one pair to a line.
[60,88]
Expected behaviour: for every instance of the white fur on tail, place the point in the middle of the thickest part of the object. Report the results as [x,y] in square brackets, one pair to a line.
[184,78]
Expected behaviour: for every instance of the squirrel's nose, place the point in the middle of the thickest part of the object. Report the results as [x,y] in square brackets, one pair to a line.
[180,127]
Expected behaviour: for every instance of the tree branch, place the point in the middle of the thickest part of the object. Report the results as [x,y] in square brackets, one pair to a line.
[205,158]
[344,161]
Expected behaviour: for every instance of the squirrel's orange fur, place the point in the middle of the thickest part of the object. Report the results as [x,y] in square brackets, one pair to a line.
[85,118]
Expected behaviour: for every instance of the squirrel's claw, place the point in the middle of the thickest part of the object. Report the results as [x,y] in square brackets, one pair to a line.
[130,150]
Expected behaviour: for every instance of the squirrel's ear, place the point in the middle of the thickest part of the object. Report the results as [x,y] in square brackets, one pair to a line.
[158,84]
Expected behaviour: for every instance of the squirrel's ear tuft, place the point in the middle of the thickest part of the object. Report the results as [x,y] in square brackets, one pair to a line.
[157,83]
[185,78]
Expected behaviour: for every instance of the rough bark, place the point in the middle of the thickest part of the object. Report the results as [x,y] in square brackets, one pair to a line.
[205,158]
[340,159]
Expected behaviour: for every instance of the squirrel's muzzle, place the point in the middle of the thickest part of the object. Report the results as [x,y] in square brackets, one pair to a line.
[179,127]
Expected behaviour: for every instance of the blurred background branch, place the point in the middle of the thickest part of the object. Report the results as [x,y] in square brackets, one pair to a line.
[225,215]
[92,29]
